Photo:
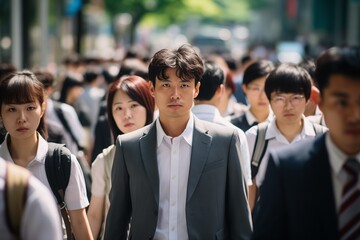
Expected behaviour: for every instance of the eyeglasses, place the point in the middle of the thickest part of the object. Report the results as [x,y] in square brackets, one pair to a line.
[294,100]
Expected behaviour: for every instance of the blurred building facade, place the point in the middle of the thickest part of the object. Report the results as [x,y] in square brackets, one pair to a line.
[316,23]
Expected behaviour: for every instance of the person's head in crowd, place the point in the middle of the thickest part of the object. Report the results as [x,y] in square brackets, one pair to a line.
[338,77]
[47,79]
[91,78]
[175,81]
[73,63]
[133,66]
[309,65]
[245,61]
[130,105]
[6,68]
[71,90]
[253,86]
[212,84]
[22,105]
[288,89]
[109,77]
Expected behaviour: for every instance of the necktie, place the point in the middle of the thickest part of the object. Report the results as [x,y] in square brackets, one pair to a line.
[349,214]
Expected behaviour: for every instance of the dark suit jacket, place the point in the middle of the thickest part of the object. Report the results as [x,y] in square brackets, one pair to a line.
[297,199]
[216,205]
[241,122]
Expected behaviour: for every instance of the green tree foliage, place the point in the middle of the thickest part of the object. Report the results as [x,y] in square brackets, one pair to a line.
[164,12]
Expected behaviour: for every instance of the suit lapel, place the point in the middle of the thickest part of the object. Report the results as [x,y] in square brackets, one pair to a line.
[148,146]
[199,154]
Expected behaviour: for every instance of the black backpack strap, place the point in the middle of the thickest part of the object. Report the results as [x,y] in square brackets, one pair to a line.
[259,148]
[60,114]
[58,168]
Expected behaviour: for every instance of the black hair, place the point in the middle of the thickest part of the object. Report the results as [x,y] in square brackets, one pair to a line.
[309,65]
[212,78]
[288,78]
[68,83]
[45,77]
[344,61]
[90,76]
[185,60]
[257,70]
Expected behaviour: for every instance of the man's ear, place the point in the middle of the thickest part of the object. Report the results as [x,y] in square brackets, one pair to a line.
[315,95]
[220,90]
[151,88]
[197,89]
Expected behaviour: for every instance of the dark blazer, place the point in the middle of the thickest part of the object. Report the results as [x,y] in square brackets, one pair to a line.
[216,205]
[241,122]
[297,198]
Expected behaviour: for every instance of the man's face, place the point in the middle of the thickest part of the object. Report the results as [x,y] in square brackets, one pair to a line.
[174,96]
[288,108]
[340,104]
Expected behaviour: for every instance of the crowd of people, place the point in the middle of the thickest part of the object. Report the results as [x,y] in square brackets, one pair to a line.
[182,146]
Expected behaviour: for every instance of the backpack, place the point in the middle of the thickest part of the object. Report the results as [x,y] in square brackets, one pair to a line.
[58,168]
[261,145]
[16,185]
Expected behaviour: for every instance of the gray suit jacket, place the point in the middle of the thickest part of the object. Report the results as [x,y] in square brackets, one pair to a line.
[216,205]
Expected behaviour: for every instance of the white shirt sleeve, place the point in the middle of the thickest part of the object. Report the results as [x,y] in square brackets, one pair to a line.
[75,195]
[245,158]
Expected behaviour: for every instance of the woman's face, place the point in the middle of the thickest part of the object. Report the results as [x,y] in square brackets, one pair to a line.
[21,120]
[129,115]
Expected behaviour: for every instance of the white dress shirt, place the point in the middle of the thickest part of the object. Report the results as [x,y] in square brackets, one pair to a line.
[173,156]
[337,160]
[251,119]
[210,113]
[275,140]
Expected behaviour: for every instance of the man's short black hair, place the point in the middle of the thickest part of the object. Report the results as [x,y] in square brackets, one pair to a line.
[288,78]
[257,70]
[185,60]
[212,78]
[343,61]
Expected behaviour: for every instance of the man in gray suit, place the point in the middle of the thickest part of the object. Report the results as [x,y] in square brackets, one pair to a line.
[180,177]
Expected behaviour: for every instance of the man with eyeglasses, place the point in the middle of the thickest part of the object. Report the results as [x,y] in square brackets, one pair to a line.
[288,89]
[312,189]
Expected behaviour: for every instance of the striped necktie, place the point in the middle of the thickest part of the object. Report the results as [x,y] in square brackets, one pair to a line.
[349,215]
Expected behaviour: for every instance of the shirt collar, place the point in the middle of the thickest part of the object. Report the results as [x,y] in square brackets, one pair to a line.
[307,130]
[251,119]
[337,158]
[41,150]
[187,134]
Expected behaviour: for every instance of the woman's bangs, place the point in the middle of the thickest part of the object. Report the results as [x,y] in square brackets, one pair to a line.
[20,90]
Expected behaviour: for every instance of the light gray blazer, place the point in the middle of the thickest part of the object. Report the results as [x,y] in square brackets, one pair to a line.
[216,205]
